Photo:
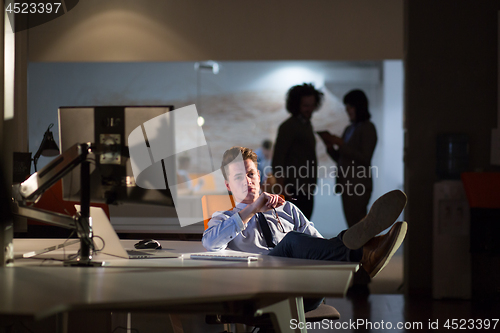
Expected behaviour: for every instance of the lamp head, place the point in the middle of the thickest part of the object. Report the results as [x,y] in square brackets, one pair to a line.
[48,147]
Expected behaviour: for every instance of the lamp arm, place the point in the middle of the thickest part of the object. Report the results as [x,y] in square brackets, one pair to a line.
[52,218]
[40,181]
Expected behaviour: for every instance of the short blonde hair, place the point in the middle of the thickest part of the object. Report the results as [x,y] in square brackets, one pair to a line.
[232,153]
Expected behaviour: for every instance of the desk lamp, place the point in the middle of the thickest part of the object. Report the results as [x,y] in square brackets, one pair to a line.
[48,147]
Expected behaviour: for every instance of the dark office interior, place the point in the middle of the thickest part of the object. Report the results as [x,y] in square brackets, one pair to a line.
[451,55]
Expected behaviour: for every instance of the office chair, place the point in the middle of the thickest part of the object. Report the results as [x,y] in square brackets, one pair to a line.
[223,202]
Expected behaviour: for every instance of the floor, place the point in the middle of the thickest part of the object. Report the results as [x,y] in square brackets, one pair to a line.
[395,313]
[386,309]
[390,279]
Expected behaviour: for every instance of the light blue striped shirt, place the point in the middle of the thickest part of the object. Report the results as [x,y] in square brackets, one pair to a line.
[226,229]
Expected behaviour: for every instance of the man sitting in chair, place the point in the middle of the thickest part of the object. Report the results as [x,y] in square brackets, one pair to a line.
[265,223]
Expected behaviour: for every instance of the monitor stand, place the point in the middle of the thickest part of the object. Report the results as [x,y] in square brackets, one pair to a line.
[42,180]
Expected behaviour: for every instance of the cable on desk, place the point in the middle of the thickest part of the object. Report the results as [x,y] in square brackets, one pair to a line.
[67,239]
[103,244]
[70,256]
[34,255]
[88,241]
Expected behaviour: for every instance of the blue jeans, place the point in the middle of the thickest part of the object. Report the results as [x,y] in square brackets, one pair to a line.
[304,246]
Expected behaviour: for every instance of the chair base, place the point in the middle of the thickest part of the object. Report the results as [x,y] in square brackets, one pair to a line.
[323,311]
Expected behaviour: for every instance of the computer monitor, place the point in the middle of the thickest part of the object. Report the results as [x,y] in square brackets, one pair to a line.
[111,177]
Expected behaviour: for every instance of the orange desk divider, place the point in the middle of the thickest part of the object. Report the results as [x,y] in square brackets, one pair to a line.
[213,203]
[51,200]
[482,189]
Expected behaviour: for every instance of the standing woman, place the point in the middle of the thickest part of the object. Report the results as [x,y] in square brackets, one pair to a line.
[353,157]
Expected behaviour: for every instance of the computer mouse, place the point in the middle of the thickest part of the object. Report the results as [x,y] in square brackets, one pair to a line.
[148,244]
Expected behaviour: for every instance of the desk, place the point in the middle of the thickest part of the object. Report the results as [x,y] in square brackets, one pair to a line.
[173,285]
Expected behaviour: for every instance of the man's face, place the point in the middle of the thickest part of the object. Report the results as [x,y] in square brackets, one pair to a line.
[307,106]
[243,181]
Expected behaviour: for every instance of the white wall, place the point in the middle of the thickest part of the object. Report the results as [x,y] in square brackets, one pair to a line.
[384,90]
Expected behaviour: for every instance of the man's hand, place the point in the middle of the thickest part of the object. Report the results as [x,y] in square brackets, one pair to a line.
[264,202]
[267,201]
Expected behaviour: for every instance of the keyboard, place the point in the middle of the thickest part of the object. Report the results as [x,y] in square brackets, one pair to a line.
[227,257]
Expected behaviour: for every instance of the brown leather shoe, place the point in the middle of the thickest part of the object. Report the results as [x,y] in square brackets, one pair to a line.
[383,213]
[379,250]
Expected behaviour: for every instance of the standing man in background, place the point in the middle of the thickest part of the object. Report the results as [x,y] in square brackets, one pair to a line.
[264,154]
[294,159]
